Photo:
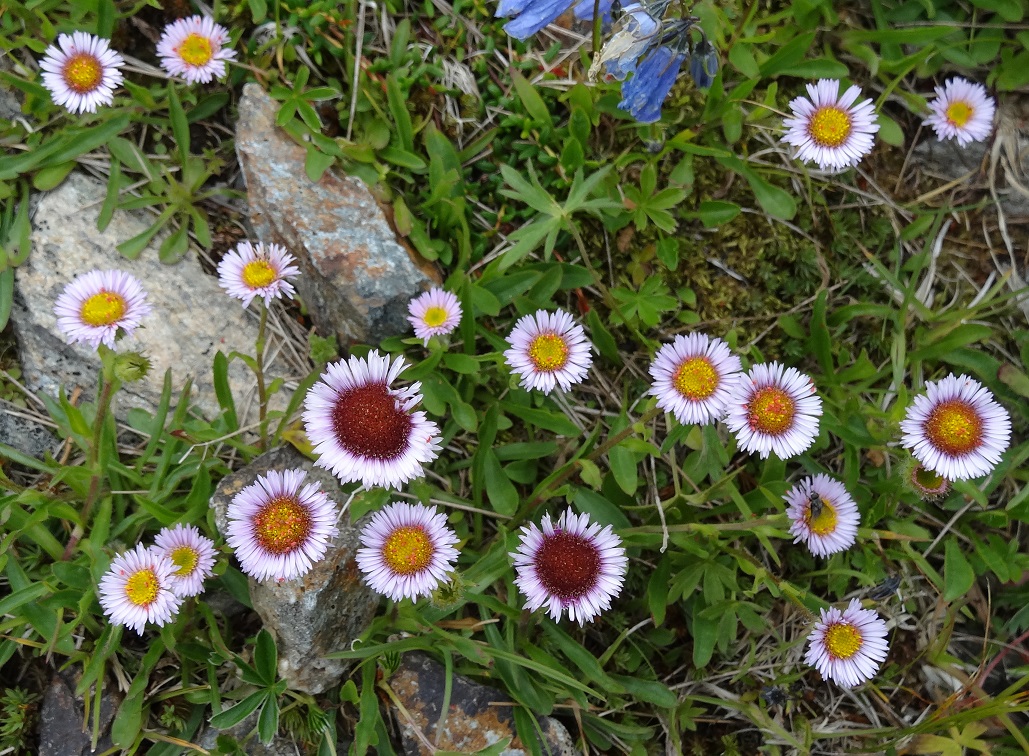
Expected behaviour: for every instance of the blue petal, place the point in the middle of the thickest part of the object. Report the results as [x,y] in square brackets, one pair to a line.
[645,92]
[535,15]
[584,10]
[704,65]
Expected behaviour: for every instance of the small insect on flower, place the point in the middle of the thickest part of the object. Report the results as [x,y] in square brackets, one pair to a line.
[191,553]
[408,550]
[548,349]
[364,430]
[81,72]
[956,428]
[571,565]
[434,313]
[963,111]
[774,409]
[823,515]
[279,527]
[194,48]
[250,271]
[137,589]
[96,306]
[848,646]
[831,130]
[694,378]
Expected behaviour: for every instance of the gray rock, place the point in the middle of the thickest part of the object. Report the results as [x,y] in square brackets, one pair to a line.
[357,280]
[192,317]
[25,435]
[324,610]
[61,720]
[246,738]
[473,722]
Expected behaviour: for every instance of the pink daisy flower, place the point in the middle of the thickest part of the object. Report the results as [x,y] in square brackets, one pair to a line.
[81,72]
[823,514]
[848,647]
[694,377]
[434,313]
[963,111]
[137,588]
[365,431]
[956,428]
[571,565]
[774,409]
[96,305]
[279,527]
[192,554]
[548,350]
[194,48]
[830,130]
[408,550]
[250,271]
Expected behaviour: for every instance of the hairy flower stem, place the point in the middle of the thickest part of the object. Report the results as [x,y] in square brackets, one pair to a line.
[108,385]
[572,467]
[262,391]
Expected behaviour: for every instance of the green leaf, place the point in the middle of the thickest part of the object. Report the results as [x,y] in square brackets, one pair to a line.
[714,213]
[501,491]
[179,124]
[650,691]
[530,98]
[266,658]
[6,295]
[788,55]
[958,574]
[258,9]
[316,163]
[401,112]
[238,712]
[625,469]
[51,176]
[268,721]
[554,422]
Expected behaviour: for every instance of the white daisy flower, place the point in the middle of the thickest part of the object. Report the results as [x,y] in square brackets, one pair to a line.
[279,527]
[408,550]
[774,409]
[569,565]
[831,130]
[192,554]
[137,588]
[956,428]
[81,72]
[962,110]
[548,349]
[434,313]
[365,431]
[94,306]
[250,271]
[194,48]
[694,378]
[848,647]
[824,515]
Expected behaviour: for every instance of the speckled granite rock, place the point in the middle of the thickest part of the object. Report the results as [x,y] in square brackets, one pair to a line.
[24,434]
[192,317]
[325,609]
[473,721]
[357,280]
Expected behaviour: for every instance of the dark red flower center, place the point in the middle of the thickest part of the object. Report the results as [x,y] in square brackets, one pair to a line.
[367,422]
[567,565]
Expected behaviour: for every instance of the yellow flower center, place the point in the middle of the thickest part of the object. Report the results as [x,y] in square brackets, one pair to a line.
[548,352]
[83,72]
[843,640]
[954,427]
[771,411]
[696,379]
[282,525]
[824,522]
[142,587]
[186,559]
[829,126]
[959,113]
[103,309]
[258,273]
[408,550]
[435,317]
[195,50]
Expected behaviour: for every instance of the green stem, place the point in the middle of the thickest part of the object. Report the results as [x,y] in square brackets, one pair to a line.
[108,384]
[262,391]
[573,466]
